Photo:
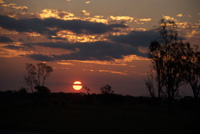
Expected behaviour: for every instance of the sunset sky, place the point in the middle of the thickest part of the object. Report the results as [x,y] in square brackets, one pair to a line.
[97,42]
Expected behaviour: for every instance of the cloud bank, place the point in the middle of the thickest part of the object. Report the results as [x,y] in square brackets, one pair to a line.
[4,39]
[136,38]
[50,26]
[85,51]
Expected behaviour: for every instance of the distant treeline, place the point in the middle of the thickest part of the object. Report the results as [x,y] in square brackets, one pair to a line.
[65,99]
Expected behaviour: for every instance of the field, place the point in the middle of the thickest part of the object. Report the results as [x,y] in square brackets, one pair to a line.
[70,118]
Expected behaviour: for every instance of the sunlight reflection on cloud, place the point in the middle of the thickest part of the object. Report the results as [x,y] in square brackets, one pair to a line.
[85,13]
[87,2]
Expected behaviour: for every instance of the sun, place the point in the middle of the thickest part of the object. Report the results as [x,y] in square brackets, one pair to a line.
[77,85]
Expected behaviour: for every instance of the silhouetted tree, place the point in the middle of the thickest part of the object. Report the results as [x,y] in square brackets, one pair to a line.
[107,89]
[192,70]
[43,71]
[157,64]
[22,90]
[30,75]
[87,89]
[42,90]
[149,83]
[167,54]
[36,76]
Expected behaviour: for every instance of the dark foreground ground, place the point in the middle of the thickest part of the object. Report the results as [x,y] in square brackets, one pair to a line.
[136,118]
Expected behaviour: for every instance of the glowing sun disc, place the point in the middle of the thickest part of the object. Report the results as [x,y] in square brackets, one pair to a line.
[77,85]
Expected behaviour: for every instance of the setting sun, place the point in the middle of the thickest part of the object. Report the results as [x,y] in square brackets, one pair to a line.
[77,85]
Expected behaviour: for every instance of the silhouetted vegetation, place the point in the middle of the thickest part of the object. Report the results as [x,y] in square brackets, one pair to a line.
[61,112]
[191,70]
[36,75]
[42,90]
[107,89]
[22,97]
[88,90]
[175,63]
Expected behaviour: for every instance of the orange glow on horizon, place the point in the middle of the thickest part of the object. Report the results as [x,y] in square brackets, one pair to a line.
[77,85]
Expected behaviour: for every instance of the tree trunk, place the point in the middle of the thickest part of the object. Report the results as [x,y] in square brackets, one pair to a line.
[31,87]
[194,90]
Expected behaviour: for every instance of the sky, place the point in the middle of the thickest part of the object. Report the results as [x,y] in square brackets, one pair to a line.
[97,42]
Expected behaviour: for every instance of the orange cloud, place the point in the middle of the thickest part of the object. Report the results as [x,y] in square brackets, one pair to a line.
[25,8]
[169,18]
[193,33]
[140,29]
[73,37]
[129,59]
[183,24]
[87,2]
[113,63]
[65,63]
[98,19]
[122,18]
[113,72]
[49,13]
[10,53]
[142,21]
[116,62]
[179,15]
[1,2]
[13,6]
[33,34]
[146,19]
[85,13]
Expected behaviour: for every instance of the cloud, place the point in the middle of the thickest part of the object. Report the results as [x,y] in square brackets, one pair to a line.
[87,2]
[122,18]
[1,2]
[124,61]
[113,72]
[12,51]
[179,15]
[146,19]
[4,39]
[23,25]
[13,6]
[41,57]
[65,63]
[142,21]
[85,13]
[50,26]
[136,38]
[139,39]
[170,18]
[14,47]
[24,8]
[86,51]
[53,13]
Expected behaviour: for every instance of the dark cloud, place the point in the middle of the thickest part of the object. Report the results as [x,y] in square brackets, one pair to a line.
[43,26]
[136,38]
[87,51]
[41,57]
[14,47]
[4,39]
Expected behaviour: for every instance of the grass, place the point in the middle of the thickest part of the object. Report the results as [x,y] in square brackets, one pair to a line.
[98,119]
